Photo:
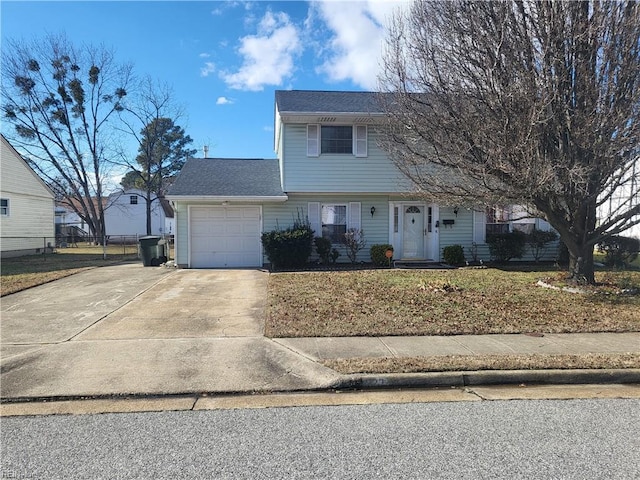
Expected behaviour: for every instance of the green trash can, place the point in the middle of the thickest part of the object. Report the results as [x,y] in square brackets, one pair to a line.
[163,252]
[149,250]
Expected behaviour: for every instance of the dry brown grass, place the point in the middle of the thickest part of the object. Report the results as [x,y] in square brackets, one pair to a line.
[456,363]
[437,302]
[29,271]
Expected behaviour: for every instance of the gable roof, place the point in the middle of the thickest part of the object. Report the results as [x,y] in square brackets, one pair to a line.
[228,178]
[13,153]
[317,101]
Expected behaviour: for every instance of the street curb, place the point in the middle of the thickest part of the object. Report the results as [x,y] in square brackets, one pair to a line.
[488,377]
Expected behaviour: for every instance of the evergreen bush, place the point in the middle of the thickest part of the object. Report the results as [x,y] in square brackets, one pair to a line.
[619,251]
[506,246]
[538,240]
[453,255]
[289,248]
[378,253]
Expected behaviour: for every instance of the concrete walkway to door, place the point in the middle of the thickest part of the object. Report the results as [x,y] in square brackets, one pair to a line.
[131,330]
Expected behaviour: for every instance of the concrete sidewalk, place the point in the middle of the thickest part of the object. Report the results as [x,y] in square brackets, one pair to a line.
[132,331]
[331,348]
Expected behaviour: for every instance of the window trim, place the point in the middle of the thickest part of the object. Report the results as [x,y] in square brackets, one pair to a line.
[346,128]
[323,206]
[314,214]
[359,140]
[5,210]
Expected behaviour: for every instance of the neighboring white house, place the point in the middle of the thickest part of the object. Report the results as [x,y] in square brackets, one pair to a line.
[624,198]
[126,215]
[331,171]
[26,207]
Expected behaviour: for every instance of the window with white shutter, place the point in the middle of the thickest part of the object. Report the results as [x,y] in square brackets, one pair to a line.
[354,215]
[360,140]
[313,140]
[479,226]
[313,214]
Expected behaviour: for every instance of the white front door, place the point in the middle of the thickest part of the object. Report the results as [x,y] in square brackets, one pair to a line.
[413,232]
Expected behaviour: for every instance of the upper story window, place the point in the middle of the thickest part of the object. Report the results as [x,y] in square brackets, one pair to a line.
[337,139]
[133,199]
[4,207]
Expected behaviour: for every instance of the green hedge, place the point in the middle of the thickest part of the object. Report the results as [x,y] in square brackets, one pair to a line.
[378,254]
[288,248]
[453,255]
[505,246]
[619,251]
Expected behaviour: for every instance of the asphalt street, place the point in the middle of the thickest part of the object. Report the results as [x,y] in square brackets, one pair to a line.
[570,439]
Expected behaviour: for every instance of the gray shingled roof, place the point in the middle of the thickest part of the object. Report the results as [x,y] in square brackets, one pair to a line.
[316,101]
[223,177]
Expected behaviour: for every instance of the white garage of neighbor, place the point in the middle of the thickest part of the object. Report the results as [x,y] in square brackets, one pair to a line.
[225,236]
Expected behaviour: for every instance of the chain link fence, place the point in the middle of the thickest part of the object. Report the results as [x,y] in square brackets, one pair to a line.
[118,246]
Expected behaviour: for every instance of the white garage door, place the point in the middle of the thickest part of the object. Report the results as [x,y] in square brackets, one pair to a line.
[225,237]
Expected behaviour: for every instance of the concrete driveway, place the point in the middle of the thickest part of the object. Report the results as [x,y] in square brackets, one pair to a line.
[130,329]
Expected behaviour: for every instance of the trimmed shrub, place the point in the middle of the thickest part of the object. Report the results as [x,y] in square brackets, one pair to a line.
[506,246]
[289,248]
[325,252]
[537,242]
[323,248]
[619,251]
[378,253]
[453,255]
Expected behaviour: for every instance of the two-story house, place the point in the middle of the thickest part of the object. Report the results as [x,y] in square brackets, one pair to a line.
[26,206]
[330,170]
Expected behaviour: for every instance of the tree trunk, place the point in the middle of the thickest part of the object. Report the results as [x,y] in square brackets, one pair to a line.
[148,201]
[581,268]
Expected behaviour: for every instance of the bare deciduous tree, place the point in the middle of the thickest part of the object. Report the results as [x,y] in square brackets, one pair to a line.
[61,101]
[162,144]
[532,103]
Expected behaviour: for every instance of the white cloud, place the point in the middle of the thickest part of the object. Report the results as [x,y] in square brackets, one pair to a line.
[204,55]
[356,44]
[208,69]
[224,101]
[268,56]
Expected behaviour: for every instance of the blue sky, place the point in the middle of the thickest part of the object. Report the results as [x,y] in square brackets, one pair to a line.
[223,59]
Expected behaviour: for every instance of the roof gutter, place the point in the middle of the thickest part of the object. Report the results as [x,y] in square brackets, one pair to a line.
[234,199]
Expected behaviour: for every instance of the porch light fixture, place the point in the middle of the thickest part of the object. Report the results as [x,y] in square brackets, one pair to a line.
[373,210]
[455,211]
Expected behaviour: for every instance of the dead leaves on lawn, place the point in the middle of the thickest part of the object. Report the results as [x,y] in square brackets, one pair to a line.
[432,302]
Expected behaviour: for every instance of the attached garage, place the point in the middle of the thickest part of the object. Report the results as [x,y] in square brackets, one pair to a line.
[218,211]
[225,236]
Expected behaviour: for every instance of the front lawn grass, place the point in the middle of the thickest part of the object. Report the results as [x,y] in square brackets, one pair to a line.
[20,273]
[444,302]
[458,363]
